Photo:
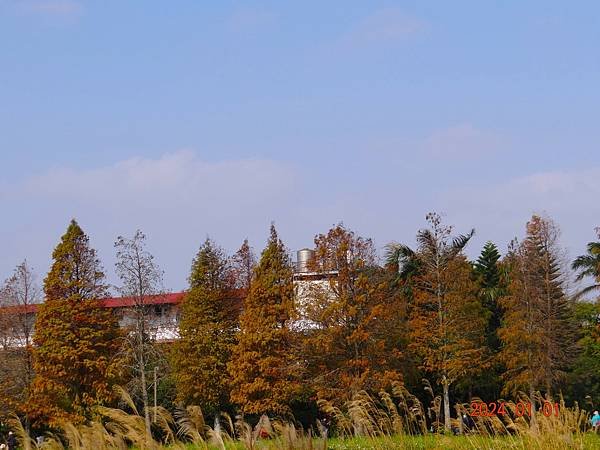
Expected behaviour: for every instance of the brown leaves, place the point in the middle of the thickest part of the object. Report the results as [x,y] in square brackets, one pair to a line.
[262,367]
[76,337]
[353,317]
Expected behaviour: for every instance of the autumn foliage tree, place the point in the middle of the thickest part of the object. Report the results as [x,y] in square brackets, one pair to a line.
[243,264]
[446,318]
[259,338]
[207,329]
[537,333]
[75,338]
[263,369]
[352,324]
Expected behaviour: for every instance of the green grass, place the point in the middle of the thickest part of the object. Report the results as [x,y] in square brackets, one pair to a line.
[585,441]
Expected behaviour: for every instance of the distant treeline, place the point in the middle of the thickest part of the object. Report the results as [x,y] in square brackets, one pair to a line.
[427,318]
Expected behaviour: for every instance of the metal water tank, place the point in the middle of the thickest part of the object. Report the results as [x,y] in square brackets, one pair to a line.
[302,259]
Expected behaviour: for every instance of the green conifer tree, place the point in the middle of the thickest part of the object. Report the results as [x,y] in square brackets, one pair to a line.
[75,337]
[209,318]
[490,282]
[263,367]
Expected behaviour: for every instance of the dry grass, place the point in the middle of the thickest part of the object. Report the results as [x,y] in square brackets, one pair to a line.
[396,420]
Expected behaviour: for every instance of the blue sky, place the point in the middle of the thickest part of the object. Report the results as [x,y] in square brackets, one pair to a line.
[190,118]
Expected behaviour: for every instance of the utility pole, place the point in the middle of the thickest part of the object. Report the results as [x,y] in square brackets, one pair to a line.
[155,386]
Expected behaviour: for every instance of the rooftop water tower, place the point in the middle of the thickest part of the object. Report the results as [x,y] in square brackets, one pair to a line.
[303,257]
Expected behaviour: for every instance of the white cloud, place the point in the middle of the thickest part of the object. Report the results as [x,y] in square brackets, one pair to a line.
[462,140]
[179,177]
[562,185]
[177,199]
[563,190]
[500,211]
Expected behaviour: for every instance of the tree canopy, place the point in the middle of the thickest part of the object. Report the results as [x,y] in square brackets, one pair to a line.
[75,338]
[263,370]
[207,330]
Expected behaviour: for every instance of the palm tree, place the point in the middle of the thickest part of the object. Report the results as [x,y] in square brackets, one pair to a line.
[434,249]
[588,265]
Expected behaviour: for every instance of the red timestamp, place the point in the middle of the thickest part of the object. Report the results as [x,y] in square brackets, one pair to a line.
[482,409]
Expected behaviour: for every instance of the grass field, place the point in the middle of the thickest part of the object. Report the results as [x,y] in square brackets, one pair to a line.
[588,441]
[584,441]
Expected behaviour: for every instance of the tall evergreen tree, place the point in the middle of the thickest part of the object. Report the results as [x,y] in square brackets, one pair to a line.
[75,337]
[537,333]
[491,281]
[209,319]
[263,369]
[489,278]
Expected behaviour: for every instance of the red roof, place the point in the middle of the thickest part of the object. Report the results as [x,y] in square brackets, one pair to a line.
[160,299]
[111,302]
[122,302]
[20,308]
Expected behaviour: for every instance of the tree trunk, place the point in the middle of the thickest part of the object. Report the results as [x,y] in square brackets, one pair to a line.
[145,396]
[446,386]
[142,369]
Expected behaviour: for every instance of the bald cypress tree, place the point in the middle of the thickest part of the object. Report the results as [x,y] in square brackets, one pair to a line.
[262,366]
[207,331]
[75,337]
[243,263]
[355,340]
[537,332]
